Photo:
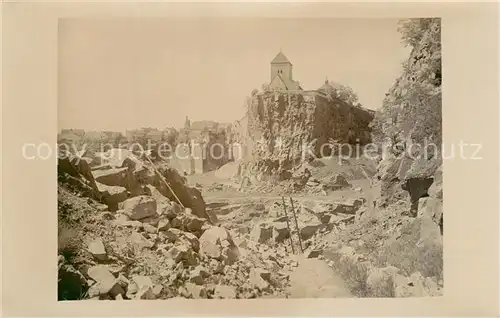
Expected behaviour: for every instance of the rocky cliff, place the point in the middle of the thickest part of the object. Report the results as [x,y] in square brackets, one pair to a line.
[409,124]
[281,124]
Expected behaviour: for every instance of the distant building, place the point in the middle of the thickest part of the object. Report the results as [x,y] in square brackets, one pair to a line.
[327,88]
[281,74]
[154,135]
[144,134]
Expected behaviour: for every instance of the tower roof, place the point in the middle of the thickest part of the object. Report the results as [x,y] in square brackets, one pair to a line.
[280,58]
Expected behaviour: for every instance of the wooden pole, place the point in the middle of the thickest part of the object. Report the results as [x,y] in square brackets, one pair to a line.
[297,225]
[165,181]
[288,225]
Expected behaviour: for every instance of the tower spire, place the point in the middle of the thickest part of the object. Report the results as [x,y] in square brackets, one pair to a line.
[326,80]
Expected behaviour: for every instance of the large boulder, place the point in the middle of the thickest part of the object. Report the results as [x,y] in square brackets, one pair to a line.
[308,225]
[139,207]
[280,232]
[106,283]
[217,243]
[145,287]
[193,224]
[97,249]
[112,195]
[261,233]
[259,278]
[111,177]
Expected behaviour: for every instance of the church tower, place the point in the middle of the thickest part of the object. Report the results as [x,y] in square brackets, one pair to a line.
[282,66]
[281,74]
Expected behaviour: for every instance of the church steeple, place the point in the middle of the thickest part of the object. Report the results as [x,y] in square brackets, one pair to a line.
[281,73]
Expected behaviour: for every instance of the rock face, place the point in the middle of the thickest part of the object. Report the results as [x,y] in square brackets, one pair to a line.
[410,131]
[299,118]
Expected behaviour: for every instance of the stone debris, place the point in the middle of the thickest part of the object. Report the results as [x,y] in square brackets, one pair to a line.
[157,249]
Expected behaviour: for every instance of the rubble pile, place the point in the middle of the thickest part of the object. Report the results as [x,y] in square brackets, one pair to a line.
[147,246]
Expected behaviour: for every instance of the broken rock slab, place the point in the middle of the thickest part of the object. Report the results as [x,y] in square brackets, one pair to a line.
[214,240]
[257,279]
[261,233]
[193,223]
[280,232]
[139,207]
[111,177]
[112,195]
[198,275]
[106,283]
[97,249]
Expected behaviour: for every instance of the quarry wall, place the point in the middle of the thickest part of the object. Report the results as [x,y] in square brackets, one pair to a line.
[281,124]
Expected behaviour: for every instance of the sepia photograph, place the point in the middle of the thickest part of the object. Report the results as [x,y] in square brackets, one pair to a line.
[241,158]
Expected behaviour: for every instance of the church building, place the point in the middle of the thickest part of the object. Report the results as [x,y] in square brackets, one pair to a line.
[281,74]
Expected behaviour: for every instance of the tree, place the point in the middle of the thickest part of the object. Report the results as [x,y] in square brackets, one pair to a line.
[346,94]
[412,30]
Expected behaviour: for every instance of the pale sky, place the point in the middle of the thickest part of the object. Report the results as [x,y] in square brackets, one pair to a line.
[123,73]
